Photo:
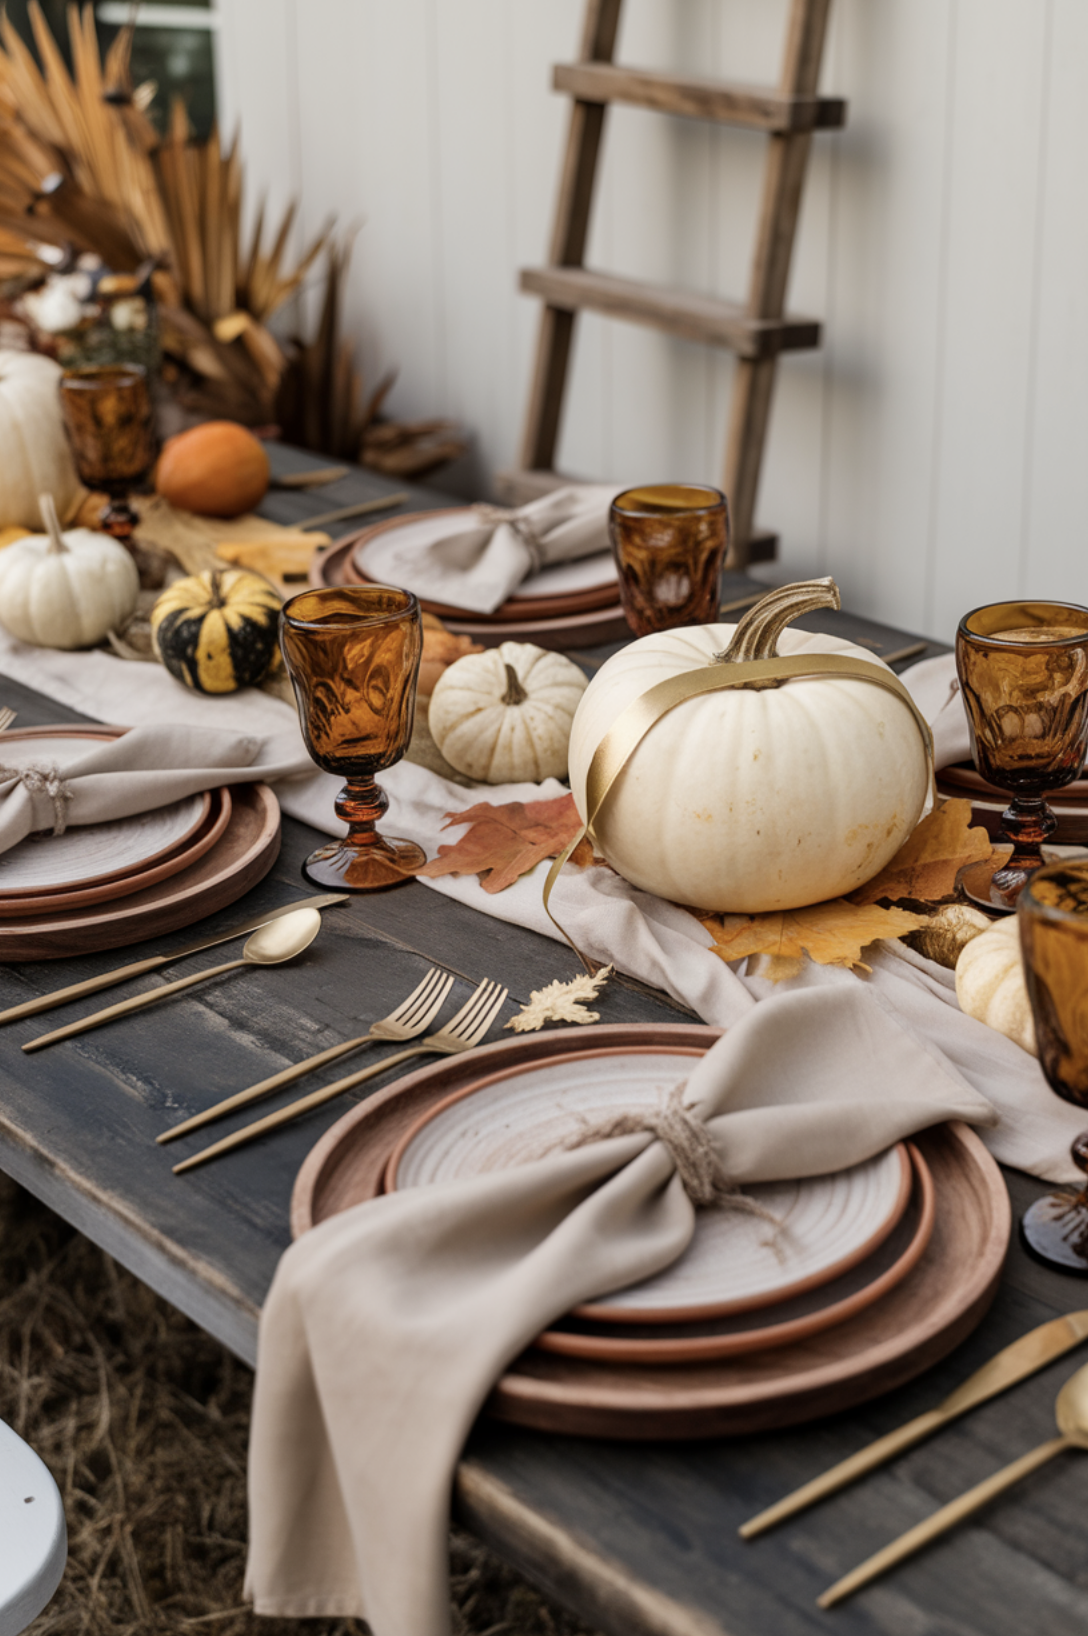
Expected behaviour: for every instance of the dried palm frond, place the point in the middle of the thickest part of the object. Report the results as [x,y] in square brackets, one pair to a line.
[82,166]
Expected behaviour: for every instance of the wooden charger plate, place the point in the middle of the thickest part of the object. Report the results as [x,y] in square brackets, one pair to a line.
[333,566]
[559,605]
[918,1322]
[243,855]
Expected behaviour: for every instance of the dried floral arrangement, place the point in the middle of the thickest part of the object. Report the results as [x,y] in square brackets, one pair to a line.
[85,176]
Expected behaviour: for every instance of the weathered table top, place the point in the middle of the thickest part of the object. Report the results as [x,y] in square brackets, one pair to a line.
[640,1539]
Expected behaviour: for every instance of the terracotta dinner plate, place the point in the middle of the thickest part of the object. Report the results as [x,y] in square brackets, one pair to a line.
[89,855]
[929,1312]
[556,592]
[734,1263]
[242,856]
[780,1325]
[333,566]
[217,808]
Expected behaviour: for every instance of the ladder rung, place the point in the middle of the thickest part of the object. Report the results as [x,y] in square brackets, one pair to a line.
[750,105]
[679,312]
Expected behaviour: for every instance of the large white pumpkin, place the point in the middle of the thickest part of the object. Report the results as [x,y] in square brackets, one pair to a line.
[746,800]
[35,457]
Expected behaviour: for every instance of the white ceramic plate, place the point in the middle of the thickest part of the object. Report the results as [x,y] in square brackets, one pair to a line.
[372,556]
[733,1263]
[89,852]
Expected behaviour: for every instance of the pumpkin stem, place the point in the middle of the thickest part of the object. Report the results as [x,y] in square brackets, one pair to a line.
[515,693]
[757,632]
[48,509]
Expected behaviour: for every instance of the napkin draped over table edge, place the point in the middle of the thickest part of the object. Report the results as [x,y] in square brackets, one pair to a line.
[387,1326]
[650,939]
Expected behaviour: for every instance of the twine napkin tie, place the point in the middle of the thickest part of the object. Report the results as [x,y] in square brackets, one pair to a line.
[45,781]
[698,1163]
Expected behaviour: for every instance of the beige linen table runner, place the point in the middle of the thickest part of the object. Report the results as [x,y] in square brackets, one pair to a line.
[144,769]
[478,568]
[387,1326]
[650,939]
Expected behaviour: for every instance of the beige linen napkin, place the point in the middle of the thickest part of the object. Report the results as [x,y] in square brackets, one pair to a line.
[143,769]
[386,1326]
[478,568]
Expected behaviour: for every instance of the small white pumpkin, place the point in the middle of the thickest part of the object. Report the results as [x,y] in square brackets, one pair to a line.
[504,716]
[37,458]
[990,983]
[761,797]
[65,590]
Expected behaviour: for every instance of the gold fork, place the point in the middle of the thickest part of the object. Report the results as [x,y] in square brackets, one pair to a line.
[7,716]
[411,1018]
[461,1033]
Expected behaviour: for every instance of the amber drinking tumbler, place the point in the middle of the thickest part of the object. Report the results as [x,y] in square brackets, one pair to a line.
[1053,915]
[669,540]
[353,657]
[1023,668]
[111,426]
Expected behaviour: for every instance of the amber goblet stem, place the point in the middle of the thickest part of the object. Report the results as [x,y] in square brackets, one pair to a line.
[1027,824]
[360,804]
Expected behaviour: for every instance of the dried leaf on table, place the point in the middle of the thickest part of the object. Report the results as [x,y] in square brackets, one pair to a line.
[559,1002]
[441,649]
[286,561]
[194,542]
[505,842]
[832,934]
[926,865]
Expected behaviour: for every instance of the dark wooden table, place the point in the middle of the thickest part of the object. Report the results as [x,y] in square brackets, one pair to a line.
[640,1539]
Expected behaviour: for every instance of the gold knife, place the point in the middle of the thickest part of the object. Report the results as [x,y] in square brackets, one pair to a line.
[1014,1363]
[121,974]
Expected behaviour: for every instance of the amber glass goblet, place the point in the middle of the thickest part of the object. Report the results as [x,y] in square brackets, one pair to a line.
[1053,915]
[353,657]
[110,422]
[1023,668]
[669,540]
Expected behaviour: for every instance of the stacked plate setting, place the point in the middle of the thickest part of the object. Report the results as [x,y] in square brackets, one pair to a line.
[570,604]
[859,1282]
[100,886]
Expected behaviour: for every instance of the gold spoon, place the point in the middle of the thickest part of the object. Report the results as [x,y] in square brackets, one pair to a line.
[270,944]
[1071,1413]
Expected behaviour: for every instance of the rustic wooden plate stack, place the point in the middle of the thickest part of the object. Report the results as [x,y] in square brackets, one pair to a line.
[573,604]
[99,886]
[871,1276]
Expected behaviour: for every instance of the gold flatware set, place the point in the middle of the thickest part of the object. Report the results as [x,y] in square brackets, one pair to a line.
[1016,1362]
[274,937]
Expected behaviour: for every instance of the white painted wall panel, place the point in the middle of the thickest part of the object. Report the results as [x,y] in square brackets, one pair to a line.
[930,456]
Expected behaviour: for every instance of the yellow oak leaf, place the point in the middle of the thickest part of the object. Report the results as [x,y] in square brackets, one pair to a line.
[832,934]
[926,865]
[559,1003]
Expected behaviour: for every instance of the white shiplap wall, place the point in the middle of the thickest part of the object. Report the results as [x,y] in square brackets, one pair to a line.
[934,453]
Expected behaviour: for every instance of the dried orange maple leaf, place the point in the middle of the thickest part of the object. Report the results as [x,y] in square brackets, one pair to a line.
[505,842]
[832,934]
[926,865]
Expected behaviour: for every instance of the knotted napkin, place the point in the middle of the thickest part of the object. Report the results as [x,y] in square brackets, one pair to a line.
[143,769]
[478,568]
[387,1325]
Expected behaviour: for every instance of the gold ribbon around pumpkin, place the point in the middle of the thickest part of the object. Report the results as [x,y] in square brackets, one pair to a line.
[634,722]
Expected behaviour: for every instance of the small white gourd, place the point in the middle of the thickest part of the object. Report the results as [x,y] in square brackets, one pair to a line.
[504,716]
[65,590]
[990,983]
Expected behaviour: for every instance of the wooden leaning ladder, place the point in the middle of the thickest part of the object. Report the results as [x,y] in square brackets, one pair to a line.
[756,331]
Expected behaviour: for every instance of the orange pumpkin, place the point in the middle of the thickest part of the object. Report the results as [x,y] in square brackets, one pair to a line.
[218,469]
